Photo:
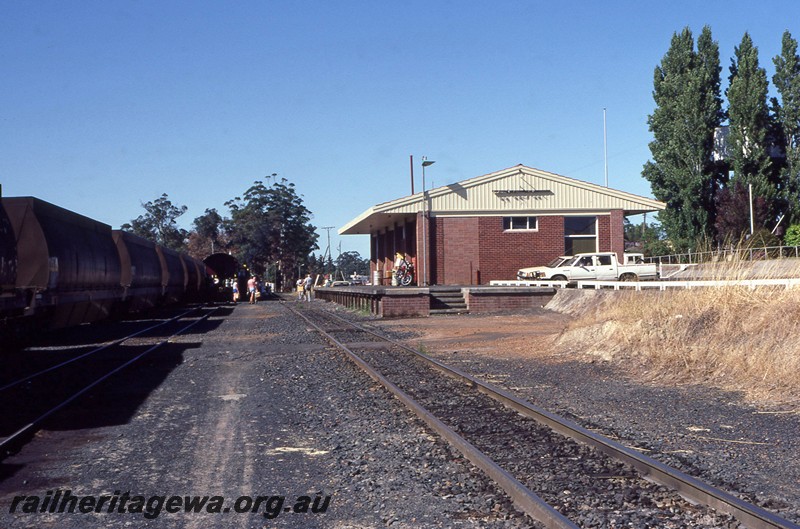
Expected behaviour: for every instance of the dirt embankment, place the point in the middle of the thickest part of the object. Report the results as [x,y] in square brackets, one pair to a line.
[730,338]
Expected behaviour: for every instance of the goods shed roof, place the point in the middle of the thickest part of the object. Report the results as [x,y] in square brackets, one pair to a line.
[518,190]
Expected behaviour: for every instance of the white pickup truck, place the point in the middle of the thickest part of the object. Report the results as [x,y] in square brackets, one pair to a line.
[591,266]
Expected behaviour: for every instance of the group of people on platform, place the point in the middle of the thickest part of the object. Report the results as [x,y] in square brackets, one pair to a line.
[253,290]
[305,287]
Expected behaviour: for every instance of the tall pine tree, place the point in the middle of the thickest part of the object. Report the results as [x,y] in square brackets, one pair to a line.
[686,90]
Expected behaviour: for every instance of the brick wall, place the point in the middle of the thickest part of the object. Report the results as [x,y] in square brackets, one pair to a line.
[476,250]
[436,244]
[502,253]
[611,236]
[401,305]
[617,233]
[459,252]
[423,241]
[503,299]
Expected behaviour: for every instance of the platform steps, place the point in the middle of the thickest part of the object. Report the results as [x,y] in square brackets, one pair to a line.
[447,300]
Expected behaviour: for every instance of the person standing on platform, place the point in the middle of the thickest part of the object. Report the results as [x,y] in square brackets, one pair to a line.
[308,283]
[251,289]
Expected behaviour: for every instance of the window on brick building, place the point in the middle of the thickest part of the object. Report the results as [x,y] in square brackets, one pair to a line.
[520,223]
[580,235]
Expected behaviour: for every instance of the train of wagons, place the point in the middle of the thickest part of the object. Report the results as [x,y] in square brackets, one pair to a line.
[60,269]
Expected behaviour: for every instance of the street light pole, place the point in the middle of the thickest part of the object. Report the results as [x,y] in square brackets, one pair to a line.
[425,163]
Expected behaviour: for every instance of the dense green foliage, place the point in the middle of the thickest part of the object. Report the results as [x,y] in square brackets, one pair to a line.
[159,223]
[787,112]
[270,229]
[733,217]
[749,122]
[208,236]
[792,236]
[706,185]
[647,238]
[682,173]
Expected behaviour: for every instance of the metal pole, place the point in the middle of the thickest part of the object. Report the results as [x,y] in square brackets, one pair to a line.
[425,163]
[411,161]
[605,146]
[750,186]
[424,276]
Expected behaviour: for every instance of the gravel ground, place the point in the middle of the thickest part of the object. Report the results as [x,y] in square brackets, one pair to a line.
[589,488]
[750,450]
[252,404]
[256,404]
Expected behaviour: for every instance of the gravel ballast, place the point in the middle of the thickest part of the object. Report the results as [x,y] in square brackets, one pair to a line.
[254,404]
[747,449]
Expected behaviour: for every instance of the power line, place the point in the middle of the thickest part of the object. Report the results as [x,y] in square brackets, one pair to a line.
[327,248]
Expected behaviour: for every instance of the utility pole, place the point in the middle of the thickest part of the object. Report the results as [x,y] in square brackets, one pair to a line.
[328,247]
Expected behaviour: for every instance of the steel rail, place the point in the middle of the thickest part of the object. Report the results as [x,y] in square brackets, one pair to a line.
[93,351]
[687,486]
[8,441]
[523,498]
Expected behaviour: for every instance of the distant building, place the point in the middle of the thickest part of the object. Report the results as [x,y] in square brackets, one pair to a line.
[487,227]
[722,146]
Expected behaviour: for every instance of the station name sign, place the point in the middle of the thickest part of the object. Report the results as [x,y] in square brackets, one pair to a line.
[522,195]
[523,192]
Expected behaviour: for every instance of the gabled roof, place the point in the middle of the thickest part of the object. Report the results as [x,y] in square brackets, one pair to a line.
[518,190]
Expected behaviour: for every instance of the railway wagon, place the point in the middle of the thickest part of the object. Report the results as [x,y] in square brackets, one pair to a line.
[141,272]
[173,275]
[225,269]
[195,278]
[59,268]
[10,301]
[67,266]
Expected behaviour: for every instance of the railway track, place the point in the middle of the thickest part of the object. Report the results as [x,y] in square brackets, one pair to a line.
[31,398]
[553,469]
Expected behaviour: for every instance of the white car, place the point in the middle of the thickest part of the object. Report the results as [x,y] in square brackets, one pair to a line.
[591,266]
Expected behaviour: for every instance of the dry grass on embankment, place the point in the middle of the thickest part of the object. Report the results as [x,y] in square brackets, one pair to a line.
[732,338]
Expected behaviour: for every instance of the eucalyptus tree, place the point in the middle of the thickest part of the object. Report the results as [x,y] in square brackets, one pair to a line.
[271,225]
[159,223]
[207,236]
[352,263]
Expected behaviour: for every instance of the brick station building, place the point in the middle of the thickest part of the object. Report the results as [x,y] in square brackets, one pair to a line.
[487,227]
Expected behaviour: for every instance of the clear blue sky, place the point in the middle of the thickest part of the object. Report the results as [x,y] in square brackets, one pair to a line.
[106,105]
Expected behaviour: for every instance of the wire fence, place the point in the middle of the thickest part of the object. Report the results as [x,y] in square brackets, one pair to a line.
[742,254]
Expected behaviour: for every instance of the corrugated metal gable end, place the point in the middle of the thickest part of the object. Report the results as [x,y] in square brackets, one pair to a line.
[518,190]
[522,188]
